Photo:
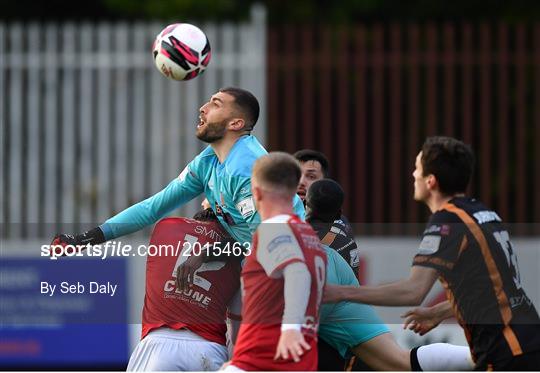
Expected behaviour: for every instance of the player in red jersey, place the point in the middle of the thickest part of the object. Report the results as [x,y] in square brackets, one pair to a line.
[282,279]
[185,330]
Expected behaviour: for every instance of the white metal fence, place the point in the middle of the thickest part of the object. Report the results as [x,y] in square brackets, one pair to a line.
[89,126]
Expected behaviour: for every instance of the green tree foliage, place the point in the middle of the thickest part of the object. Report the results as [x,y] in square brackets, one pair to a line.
[331,11]
[181,9]
[279,11]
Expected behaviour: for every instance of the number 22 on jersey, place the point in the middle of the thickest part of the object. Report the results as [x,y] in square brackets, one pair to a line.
[187,250]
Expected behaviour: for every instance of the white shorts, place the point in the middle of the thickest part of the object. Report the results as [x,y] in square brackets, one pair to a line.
[232,368]
[166,349]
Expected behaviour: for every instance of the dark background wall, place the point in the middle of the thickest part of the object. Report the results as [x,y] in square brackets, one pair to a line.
[367,95]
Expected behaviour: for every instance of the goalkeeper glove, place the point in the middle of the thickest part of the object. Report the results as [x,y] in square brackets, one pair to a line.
[61,242]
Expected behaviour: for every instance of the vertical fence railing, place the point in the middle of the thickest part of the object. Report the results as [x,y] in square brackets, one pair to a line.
[370,94]
[89,126]
[536,120]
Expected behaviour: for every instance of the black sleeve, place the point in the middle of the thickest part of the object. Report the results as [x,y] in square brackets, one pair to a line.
[343,225]
[442,241]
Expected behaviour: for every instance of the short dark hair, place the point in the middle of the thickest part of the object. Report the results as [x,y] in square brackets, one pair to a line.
[206,215]
[450,161]
[246,102]
[279,171]
[305,155]
[325,198]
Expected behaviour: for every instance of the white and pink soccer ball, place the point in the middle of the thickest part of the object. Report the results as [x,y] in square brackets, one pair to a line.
[181,51]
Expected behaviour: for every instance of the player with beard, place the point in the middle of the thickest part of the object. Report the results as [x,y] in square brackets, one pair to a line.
[222,172]
[339,235]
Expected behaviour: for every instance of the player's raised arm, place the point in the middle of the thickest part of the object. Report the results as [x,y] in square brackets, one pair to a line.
[179,191]
[225,122]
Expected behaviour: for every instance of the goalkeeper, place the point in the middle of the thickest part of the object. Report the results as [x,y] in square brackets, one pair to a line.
[222,172]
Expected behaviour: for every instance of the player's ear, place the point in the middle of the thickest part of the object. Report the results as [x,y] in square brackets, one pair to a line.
[256,192]
[237,124]
[431,182]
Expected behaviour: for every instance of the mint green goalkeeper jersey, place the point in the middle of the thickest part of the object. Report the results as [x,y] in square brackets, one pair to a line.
[345,325]
[227,186]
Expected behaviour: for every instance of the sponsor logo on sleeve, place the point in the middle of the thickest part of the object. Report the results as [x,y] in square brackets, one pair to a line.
[433,229]
[278,241]
[445,230]
[429,245]
[246,207]
[483,217]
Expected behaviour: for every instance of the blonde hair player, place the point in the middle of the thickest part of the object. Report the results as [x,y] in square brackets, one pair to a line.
[282,279]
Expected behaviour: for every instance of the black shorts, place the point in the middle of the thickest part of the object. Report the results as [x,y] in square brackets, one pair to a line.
[529,361]
[331,360]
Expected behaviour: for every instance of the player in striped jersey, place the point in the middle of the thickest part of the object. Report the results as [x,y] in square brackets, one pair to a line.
[466,245]
[339,235]
[354,328]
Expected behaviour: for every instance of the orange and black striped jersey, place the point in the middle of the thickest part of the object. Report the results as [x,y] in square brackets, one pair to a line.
[471,250]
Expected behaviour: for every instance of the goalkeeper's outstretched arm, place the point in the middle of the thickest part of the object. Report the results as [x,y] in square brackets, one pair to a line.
[179,191]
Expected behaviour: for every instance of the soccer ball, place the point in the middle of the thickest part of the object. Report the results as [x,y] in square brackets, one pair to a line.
[181,51]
